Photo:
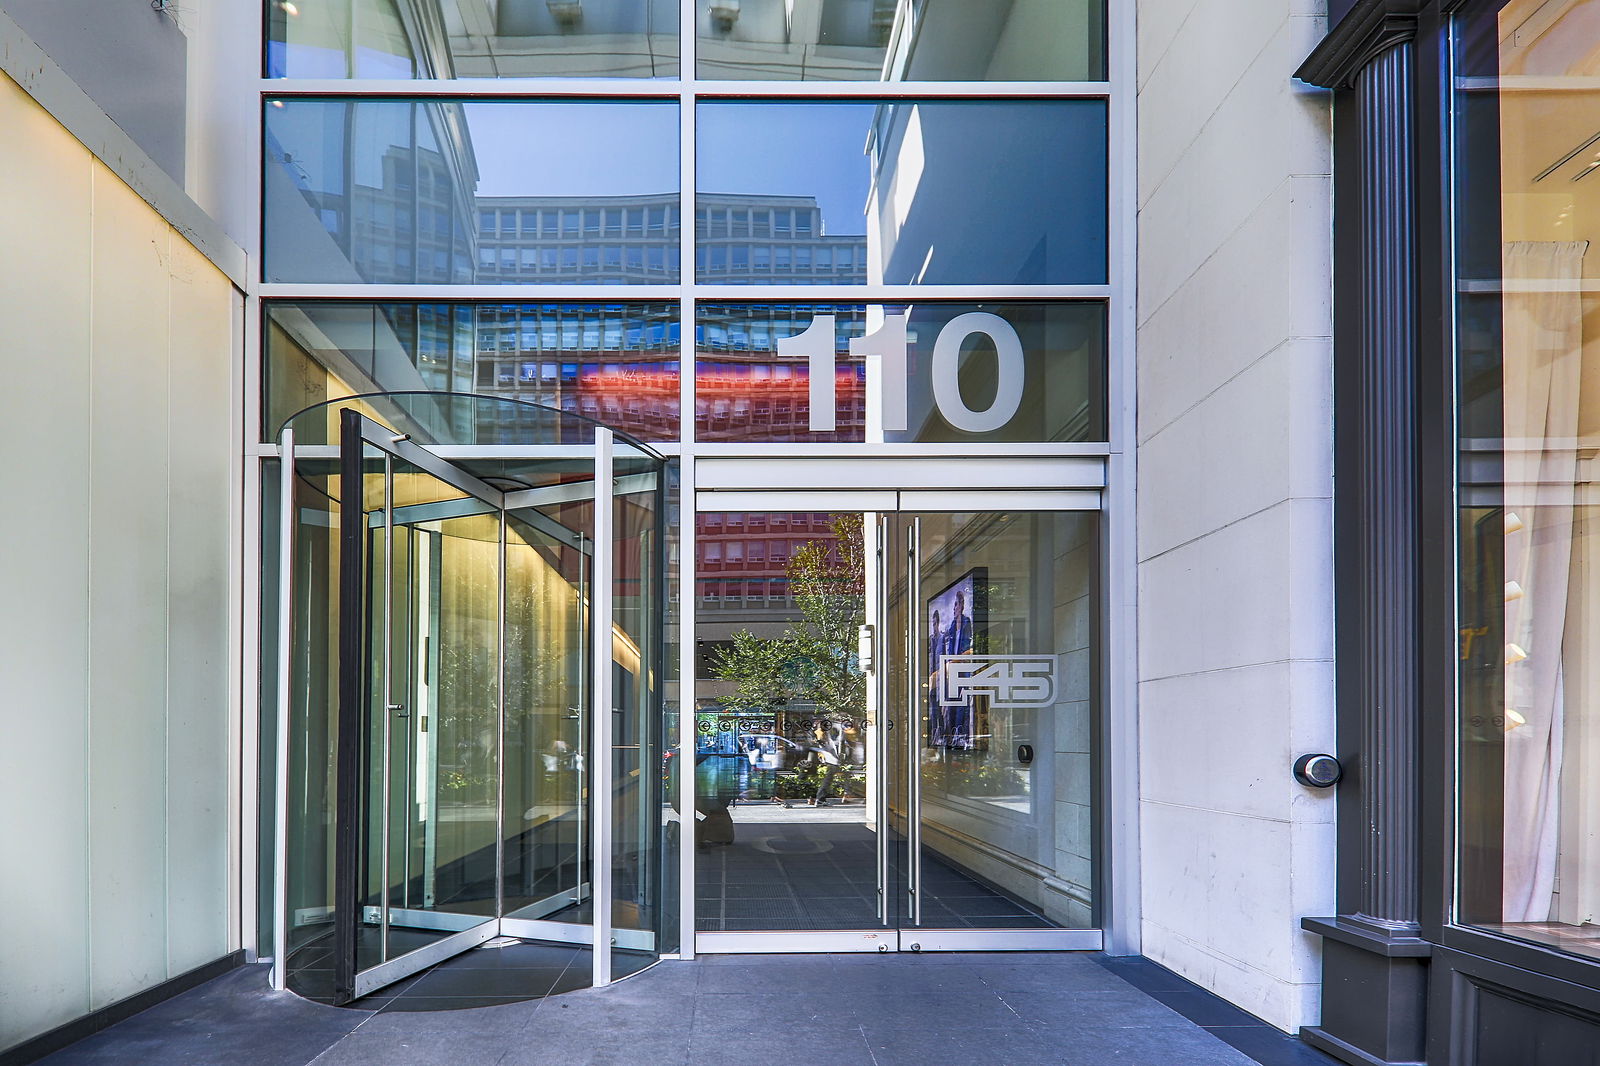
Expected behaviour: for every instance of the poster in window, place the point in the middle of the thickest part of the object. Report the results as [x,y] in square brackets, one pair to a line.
[957,621]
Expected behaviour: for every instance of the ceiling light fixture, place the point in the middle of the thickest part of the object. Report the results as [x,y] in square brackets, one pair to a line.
[725,13]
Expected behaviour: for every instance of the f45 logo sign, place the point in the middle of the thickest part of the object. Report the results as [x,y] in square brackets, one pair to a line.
[1008,680]
[884,353]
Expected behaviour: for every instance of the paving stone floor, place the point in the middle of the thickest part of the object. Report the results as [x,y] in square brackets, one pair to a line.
[799,1010]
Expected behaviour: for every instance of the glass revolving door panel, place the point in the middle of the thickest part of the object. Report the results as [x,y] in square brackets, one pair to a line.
[418,790]
[456,761]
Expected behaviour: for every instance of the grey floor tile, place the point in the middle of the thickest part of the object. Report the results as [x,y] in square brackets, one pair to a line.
[1179,1046]
[718,961]
[619,1009]
[1015,1009]
[1270,1047]
[800,976]
[1144,974]
[908,980]
[1204,1008]
[232,1019]
[447,1015]
[607,1026]
[419,1004]
[1014,1045]
[669,976]
[1092,1010]
[825,1011]
[518,956]
[416,1048]
[952,1011]
[798,1043]
[1051,977]
[489,982]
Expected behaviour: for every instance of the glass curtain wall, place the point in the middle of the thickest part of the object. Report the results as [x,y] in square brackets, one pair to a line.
[907,265]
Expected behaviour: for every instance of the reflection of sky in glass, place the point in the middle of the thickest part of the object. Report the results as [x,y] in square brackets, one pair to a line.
[959,184]
[790,150]
[586,148]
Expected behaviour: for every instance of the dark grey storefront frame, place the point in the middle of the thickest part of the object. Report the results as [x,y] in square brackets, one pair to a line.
[1402,983]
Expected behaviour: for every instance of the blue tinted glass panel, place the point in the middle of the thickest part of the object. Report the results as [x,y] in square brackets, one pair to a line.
[428,192]
[903,40]
[471,39]
[615,363]
[907,192]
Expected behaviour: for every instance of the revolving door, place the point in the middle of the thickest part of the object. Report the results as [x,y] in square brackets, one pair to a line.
[470,727]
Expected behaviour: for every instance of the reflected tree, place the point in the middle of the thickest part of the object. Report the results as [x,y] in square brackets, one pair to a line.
[815,661]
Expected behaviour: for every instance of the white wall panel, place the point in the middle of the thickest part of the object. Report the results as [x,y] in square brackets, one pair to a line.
[44,542]
[199,457]
[1235,486]
[128,479]
[115,370]
[1266,282]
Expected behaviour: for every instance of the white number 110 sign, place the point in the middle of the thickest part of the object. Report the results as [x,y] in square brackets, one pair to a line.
[884,353]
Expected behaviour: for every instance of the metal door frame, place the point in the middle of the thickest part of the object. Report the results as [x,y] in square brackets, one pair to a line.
[883,505]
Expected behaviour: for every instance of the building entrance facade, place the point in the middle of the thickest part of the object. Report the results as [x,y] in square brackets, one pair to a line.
[862,297]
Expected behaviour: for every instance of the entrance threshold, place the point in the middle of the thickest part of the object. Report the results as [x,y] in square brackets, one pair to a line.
[889,940]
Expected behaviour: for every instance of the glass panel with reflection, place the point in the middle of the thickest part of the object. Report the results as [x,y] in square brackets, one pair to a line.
[472,39]
[444,192]
[910,192]
[637,774]
[902,40]
[1007,771]
[1036,369]
[548,567]
[615,363]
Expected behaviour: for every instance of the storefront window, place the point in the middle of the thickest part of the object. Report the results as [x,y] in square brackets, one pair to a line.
[1528,382]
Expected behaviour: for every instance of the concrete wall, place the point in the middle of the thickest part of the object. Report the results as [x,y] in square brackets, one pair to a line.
[117,368]
[1235,484]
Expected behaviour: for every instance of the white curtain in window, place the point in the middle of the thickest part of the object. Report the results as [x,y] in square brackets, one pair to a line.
[1543,335]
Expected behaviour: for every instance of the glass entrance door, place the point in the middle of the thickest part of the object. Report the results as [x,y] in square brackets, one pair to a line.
[420,764]
[900,753]
[992,750]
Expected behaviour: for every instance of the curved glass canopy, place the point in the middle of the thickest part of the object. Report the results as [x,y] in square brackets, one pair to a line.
[469,679]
